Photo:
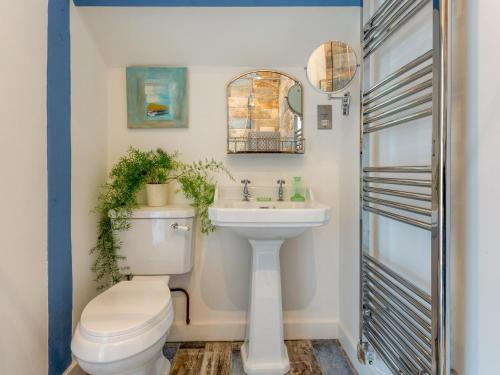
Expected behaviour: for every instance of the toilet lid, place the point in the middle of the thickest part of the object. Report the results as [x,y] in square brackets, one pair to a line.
[126,307]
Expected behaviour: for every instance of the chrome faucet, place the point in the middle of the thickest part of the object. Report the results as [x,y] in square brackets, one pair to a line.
[280,190]
[246,193]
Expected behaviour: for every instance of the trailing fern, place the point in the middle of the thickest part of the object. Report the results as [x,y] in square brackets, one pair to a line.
[119,197]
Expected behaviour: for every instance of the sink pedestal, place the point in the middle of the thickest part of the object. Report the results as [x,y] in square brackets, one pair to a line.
[266,226]
[264,351]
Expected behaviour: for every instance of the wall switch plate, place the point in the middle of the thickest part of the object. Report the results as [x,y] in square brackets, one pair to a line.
[324,116]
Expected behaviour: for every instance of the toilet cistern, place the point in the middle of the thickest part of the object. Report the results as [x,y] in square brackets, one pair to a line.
[266,226]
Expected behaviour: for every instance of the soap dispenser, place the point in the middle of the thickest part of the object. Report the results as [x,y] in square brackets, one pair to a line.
[298,190]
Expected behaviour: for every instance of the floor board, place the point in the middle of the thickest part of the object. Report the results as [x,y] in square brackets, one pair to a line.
[302,358]
[217,359]
[316,357]
[187,361]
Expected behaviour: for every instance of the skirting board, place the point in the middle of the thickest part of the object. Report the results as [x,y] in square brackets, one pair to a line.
[351,348]
[235,331]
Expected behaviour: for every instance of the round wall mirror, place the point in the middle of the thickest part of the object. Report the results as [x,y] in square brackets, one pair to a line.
[332,66]
[264,113]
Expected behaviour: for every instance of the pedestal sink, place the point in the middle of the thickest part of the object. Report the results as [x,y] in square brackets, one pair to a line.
[266,225]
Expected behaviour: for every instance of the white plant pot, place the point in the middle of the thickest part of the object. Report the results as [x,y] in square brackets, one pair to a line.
[157,194]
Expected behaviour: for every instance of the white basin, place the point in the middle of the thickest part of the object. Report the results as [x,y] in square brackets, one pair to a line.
[268,220]
[266,225]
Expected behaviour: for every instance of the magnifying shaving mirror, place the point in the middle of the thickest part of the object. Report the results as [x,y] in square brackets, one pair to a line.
[331,68]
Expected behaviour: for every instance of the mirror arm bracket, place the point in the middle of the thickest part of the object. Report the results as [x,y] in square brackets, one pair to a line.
[346,102]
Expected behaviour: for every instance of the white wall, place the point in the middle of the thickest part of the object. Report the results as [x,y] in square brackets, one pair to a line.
[23,190]
[219,282]
[88,152]
[478,115]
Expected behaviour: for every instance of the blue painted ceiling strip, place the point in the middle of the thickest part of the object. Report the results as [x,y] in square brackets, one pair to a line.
[216,3]
[59,186]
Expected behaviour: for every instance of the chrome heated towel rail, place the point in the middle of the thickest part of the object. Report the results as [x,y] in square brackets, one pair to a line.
[406,326]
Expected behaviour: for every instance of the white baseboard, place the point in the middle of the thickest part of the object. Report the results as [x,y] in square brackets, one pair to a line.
[235,331]
[350,346]
[74,369]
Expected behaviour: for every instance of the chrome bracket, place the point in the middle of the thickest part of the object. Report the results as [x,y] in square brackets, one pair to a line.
[365,355]
[367,314]
[346,102]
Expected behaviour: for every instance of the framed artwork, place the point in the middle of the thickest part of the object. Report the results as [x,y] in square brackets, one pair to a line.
[157,97]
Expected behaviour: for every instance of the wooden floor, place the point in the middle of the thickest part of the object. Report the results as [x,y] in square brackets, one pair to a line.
[318,357]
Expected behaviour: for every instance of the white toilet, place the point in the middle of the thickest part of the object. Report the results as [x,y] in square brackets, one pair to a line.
[123,330]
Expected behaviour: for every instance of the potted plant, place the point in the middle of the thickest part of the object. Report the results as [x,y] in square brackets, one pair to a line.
[127,177]
[161,164]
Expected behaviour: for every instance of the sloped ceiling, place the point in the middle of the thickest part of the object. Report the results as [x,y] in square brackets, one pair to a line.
[259,37]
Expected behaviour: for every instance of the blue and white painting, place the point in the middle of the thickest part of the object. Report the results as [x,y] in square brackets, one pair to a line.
[157,97]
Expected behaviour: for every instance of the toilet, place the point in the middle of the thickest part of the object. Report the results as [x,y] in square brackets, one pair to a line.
[123,330]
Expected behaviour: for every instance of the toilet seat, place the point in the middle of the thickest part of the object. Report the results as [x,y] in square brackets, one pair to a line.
[123,321]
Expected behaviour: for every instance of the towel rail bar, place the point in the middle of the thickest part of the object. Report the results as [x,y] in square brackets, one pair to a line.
[418,362]
[398,97]
[399,169]
[391,29]
[402,120]
[399,181]
[397,205]
[412,329]
[406,283]
[398,193]
[402,308]
[397,351]
[424,353]
[401,108]
[398,73]
[389,360]
[392,16]
[378,14]
[401,218]
[414,302]
[405,81]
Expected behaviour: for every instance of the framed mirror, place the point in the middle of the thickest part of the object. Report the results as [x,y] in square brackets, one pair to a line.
[332,66]
[264,113]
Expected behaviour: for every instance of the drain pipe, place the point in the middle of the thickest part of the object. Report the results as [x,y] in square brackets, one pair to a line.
[188,320]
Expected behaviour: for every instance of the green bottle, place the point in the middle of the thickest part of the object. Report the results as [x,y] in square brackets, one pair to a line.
[298,190]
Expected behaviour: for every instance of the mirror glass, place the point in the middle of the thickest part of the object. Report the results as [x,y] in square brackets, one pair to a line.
[332,66]
[294,99]
[264,111]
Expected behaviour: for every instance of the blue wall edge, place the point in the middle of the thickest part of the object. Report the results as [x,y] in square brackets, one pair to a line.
[60,284]
[216,3]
